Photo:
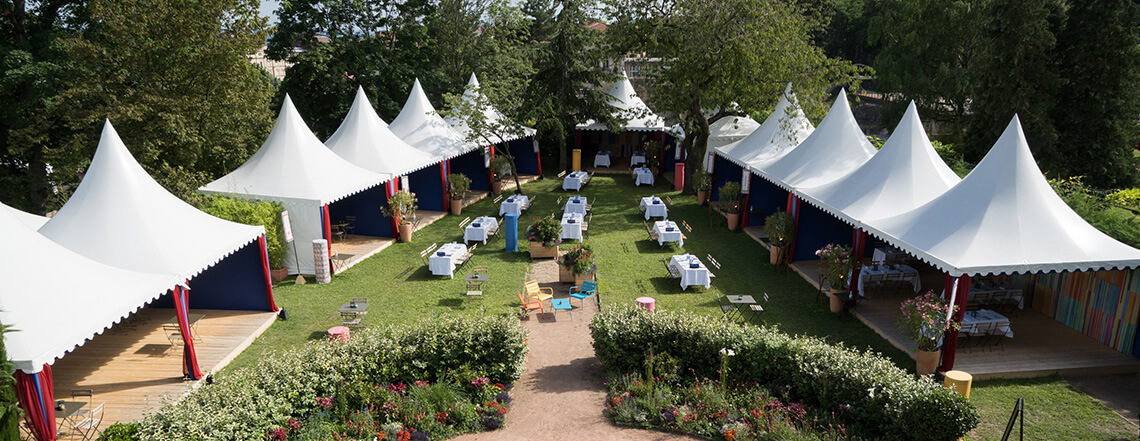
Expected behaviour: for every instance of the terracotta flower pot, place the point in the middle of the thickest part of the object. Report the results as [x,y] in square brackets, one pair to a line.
[775,254]
[926,362]
[838,300]
[702,196]
[278,274]
[405,232]
[539,251]
[456,206]
[732,219]
[496,187]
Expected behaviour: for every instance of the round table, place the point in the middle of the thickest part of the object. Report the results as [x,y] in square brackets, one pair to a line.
[339,333]
[646,302]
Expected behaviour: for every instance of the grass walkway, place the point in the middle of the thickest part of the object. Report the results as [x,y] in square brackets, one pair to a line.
[401,290]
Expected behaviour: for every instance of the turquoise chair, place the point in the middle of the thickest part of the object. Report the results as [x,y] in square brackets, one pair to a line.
[588,290]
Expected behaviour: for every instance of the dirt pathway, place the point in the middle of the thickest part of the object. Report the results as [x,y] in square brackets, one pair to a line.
[561,395]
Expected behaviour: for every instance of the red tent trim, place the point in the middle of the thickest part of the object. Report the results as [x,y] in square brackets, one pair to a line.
[189,357]
[34,392]
[265,271]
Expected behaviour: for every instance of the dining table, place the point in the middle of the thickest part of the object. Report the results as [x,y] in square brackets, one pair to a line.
[693,271]
[572,226]
[906,274]
[667,231]
[576,204]
[977,320]
[442,262]
[514,204]
[653,206]
[602,159]
[575,180]
[642,175]
[636,158]
[353,307]
[991,289]
[480,229]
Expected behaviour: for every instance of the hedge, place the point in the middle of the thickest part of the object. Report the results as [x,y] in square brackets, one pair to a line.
[885,401]
[251,212]
[246,404]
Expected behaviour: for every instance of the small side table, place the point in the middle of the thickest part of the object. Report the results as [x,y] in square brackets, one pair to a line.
[561,304]
[339,333]
[647,302]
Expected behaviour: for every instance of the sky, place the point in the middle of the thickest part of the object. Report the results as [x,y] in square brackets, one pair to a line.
[267,8]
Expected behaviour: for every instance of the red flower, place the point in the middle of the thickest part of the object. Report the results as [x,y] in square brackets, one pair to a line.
[403,435]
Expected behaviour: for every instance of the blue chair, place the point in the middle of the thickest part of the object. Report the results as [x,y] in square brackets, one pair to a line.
[588,290]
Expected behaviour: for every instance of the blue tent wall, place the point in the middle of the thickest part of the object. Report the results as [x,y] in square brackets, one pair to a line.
[818,228]
[366,207]
[526,160]
[428,187]
[764,199]
[474,166]
[724,171]
[236,282]
[671,146]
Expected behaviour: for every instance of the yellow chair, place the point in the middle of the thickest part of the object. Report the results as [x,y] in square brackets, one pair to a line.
[533,290]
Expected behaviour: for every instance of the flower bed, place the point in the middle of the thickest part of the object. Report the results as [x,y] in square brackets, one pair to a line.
[393,381]
[877,398]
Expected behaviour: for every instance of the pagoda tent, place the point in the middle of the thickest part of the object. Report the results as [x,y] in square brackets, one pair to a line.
[834,149]
[419,125]
[522,146]
[33,221]
[296,170]
[906,173]
[55,300]
[730,129]
[779,134]
[366,141]
[641,126]
[1005,218]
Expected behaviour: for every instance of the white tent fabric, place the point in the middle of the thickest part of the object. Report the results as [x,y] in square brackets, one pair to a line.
[1003,218]
[491,115]
[730,129]
[631,107]
[780,133]
[55,299]
[33,221]
[120,216]
[420,126]
[294,168]
[835,148]
[365,140]
[904,174]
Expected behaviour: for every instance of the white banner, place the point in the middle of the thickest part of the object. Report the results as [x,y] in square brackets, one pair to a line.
[709,163]
[745,181]
[404,185]
[288,228]
[535,141]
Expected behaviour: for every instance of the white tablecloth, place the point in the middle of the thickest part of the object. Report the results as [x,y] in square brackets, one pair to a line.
[572,230]
[908,275]
[887,255]
[642,175]
[513,204]
[485,225]
[575,180]
[668,236]
[974,321]
[445,265]
[575,204]
[691,276]
[652,209]
[602,159]
[637,158]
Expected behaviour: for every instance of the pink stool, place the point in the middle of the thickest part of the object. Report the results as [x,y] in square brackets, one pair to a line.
[339,333]
[646,302]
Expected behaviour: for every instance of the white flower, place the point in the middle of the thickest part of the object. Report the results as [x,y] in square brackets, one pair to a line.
[728,352]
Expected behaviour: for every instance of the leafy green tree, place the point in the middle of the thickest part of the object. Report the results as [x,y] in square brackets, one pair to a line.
[725,52]
[928,50]
[1099,62]
[10,412]
[1016,73]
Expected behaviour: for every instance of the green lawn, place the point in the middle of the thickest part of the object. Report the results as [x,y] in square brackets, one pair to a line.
[401,289]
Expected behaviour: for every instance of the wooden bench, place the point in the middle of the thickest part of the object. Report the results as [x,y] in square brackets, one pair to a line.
[427,252]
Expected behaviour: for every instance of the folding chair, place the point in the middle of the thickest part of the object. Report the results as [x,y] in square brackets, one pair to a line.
[350,228]
[426,253]
[463,223]
[979,301]
[965,334]
[89,426]
[352,318]
[688,229]
[173,334]
[713,263]
[872,281]
[649,231]
[475,289]
[727,308]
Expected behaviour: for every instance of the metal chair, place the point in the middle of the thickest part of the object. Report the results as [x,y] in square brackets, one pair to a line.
[537,292]
[352,319]
[587,290]
[529,304]
[173,334]
[89,426]
[350,224]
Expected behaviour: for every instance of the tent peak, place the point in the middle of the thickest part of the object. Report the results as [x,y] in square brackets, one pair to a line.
[473,82]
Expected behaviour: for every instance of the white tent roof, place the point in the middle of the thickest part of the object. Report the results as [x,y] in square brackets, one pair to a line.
[365,140]
[1003,218]
[294,164]
[33,221]
[835,148]
[490,113]
[784,129]
[120,216]
[730,129]
[904,174]
[420,126]
[631,107]
[55,299]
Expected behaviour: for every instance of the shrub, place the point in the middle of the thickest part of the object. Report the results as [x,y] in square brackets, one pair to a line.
[702,181]
[458,185]
[251,212]
[838,262]
[547,230]
[780,228]
[580,259]
[400,205]
[310,382]
[730,197]
[882,399]
[120,432]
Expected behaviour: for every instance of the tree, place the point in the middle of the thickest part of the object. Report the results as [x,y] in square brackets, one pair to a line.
[1017,74]
[928,50]
[10,412]
[725,52]
[1099,62]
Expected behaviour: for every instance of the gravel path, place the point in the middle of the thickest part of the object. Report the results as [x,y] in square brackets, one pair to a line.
[561,395]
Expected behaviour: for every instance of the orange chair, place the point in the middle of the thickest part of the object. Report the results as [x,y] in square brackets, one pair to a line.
[529,304]
[534,291]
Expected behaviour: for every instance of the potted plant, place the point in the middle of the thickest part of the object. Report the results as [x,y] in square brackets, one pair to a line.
[781,228]
[401,206]
[702,183]
[544,235]
[457,186]
[730,203]
[653,151]
[579,262]
[837,263]
[500,168]
[276,251]
[925,320]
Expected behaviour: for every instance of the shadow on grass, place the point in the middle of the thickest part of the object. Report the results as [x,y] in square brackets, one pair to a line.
[318,335]
[451,303]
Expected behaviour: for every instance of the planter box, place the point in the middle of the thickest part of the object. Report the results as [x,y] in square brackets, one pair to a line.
[578,278]
[565,274]
[538,251]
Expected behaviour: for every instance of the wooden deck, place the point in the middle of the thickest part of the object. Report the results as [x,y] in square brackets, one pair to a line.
[134,371]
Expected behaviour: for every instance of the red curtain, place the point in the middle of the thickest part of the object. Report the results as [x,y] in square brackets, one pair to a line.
[491,154]
[390,190]
[444,169]
[265,270]
[794,210]
[326,225]
[859,242]
[34,392]
[950,343]
[537,155]
[182,311]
